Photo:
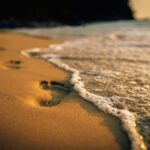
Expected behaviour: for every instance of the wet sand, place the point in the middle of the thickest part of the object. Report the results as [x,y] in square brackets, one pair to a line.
[24,124]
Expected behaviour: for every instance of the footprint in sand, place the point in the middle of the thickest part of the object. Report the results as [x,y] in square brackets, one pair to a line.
[2,49]
[59,89]
[12,64]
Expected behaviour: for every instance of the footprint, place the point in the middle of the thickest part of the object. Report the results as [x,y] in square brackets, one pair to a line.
[59,89]
[12,64]
[2,49]
[44,85]
[61,86]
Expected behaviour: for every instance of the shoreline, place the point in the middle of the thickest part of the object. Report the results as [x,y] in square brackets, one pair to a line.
[26,125]
[74,56]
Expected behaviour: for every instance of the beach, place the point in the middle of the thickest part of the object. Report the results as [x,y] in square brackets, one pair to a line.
[74,123]
[109,66]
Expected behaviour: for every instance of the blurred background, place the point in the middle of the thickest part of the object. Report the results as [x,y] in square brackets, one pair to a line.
[141,9]
[34,13]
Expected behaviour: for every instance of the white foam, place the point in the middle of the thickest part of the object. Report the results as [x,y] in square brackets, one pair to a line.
[103,103]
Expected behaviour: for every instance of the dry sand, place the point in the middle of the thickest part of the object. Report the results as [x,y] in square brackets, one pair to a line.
[24,124]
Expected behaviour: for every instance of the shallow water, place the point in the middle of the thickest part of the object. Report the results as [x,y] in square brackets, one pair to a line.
[112,70]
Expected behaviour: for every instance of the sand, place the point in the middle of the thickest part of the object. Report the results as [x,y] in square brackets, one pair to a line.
[24,124]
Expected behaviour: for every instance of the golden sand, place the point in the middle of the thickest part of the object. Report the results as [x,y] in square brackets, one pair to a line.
[24,124]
